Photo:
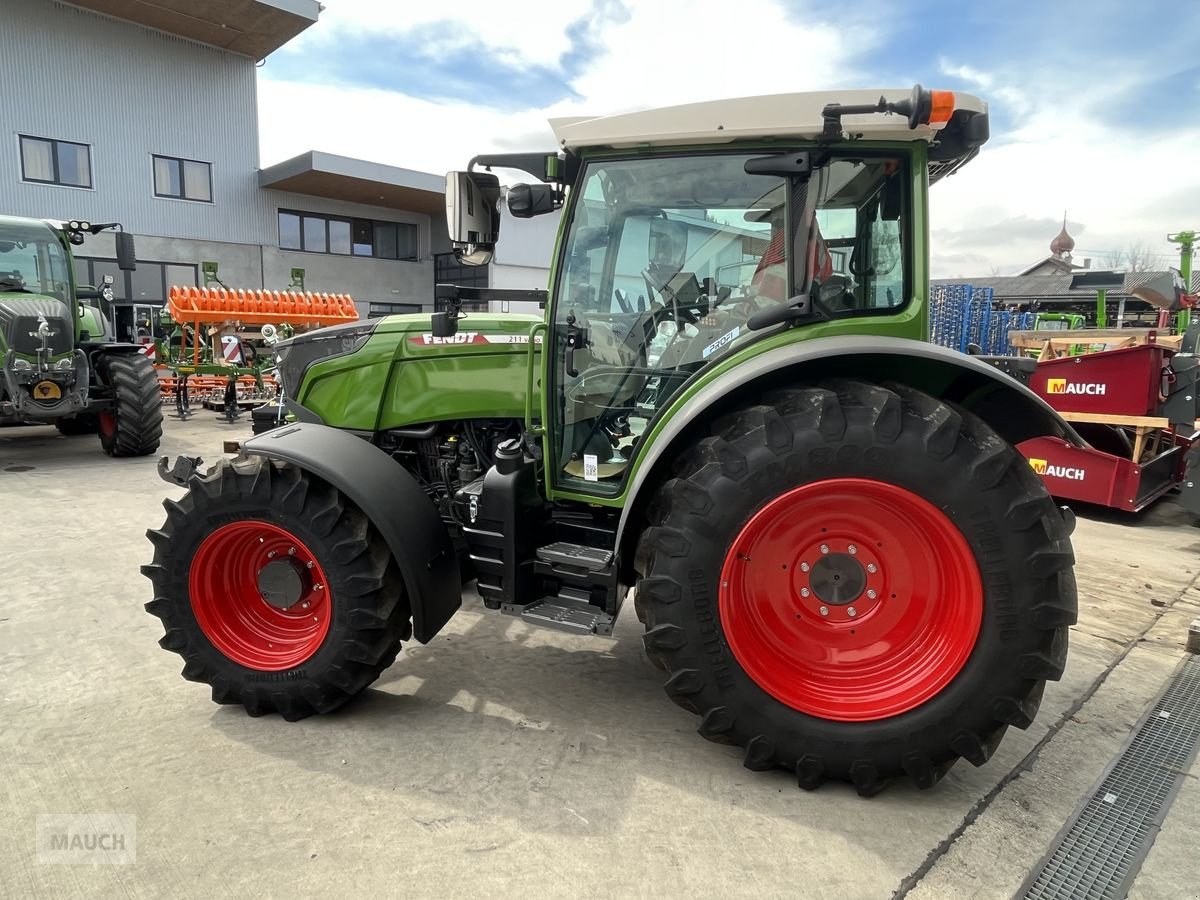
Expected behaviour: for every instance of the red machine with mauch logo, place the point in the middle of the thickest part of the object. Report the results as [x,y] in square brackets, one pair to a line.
[1137,409]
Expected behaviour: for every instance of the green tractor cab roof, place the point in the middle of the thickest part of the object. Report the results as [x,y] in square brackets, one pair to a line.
[955,125]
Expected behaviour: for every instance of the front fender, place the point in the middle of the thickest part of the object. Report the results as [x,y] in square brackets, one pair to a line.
[1010,408]
[393,501]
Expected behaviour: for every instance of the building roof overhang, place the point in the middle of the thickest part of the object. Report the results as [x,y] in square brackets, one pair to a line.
[357,181]
[254,28]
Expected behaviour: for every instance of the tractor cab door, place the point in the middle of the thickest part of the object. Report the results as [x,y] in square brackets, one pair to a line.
[667,259]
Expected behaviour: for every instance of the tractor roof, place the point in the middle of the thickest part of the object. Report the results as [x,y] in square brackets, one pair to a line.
[796,116]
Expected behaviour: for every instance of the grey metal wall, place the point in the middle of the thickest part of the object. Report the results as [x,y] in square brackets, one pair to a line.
[129,92]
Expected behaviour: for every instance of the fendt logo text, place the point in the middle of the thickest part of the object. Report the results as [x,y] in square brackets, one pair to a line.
[1043,468]
[1062,386]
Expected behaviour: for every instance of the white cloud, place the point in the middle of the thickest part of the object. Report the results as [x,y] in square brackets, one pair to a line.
[662,53]
[519,31]
[1118,184]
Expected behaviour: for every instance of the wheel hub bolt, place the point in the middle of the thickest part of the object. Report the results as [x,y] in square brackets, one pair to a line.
[804,592]
[271,554]
[852,549]
[851,611]
[871,567]
[872,594]
[291,551]
[318,587]
[824,610]
[804,567]
[310,564]
[824,548]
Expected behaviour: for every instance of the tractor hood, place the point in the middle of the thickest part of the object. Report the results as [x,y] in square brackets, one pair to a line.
[394,373]
[19,322]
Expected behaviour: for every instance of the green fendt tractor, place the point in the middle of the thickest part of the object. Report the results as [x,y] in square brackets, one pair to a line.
[56,362]
[728,409]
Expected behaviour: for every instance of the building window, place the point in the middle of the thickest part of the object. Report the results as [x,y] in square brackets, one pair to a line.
[317,233]
[56,162]
[376,310]
[448,270]
[182,179]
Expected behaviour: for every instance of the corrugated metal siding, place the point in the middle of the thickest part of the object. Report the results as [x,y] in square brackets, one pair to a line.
[129,92]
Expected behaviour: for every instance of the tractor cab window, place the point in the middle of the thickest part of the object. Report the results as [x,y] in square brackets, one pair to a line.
[856,252]
[32,261]
[666,261]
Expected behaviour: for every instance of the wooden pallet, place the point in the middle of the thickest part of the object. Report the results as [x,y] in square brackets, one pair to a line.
[1053,344]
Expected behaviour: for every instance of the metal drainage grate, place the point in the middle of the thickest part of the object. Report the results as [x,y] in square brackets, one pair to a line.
[1099,851]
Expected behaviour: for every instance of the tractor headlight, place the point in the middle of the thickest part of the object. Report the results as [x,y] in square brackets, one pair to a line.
[65,364]
[294,356]
[21,365]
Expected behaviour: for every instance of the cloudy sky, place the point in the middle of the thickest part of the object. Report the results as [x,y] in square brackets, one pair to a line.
[1094,103]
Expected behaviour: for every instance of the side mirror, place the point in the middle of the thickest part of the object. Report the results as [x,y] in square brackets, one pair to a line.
[472,215]
[528,200]
[126,258]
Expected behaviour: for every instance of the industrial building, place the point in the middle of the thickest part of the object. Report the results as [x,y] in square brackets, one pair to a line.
[138,113]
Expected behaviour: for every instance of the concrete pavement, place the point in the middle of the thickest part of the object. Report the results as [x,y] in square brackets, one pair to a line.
[501,759]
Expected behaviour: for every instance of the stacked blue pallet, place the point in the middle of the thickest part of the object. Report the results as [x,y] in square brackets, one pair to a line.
[961,314]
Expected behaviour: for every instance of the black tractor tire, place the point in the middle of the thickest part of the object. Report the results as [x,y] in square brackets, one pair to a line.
[800,439]
[83,423]
[356,588]
[134,427]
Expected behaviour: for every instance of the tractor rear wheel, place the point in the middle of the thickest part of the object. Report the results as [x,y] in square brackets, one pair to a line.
[856,582]
[134,426]
[82,423]
[275,589]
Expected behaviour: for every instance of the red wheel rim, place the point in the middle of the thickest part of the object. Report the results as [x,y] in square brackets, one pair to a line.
[851,599]
[223,583]
[108,424]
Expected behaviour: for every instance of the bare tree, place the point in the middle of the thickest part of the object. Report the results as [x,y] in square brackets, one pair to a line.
[1136,257]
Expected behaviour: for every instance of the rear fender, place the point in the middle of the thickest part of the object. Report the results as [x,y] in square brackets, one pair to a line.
[1010,408]
[393,501]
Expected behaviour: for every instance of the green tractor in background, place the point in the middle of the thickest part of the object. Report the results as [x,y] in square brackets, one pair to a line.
[842,564]
[57,364]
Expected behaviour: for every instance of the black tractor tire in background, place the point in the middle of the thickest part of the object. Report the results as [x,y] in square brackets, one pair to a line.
[796,505]
[134,426]
[83,423]
[315,648]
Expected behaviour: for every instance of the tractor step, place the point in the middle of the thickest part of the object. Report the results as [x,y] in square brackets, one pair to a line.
[563,613]
[575,556]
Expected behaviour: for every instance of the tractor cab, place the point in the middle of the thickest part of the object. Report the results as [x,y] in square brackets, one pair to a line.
[694,232]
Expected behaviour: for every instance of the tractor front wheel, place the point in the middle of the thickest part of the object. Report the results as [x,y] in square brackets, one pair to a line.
[133,427]
[275,589]
[856,582]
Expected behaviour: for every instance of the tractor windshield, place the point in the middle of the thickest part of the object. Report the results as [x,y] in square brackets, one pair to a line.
[666,260]
[32,261]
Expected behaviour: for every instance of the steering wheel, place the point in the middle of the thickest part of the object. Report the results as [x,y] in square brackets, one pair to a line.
[689,313]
